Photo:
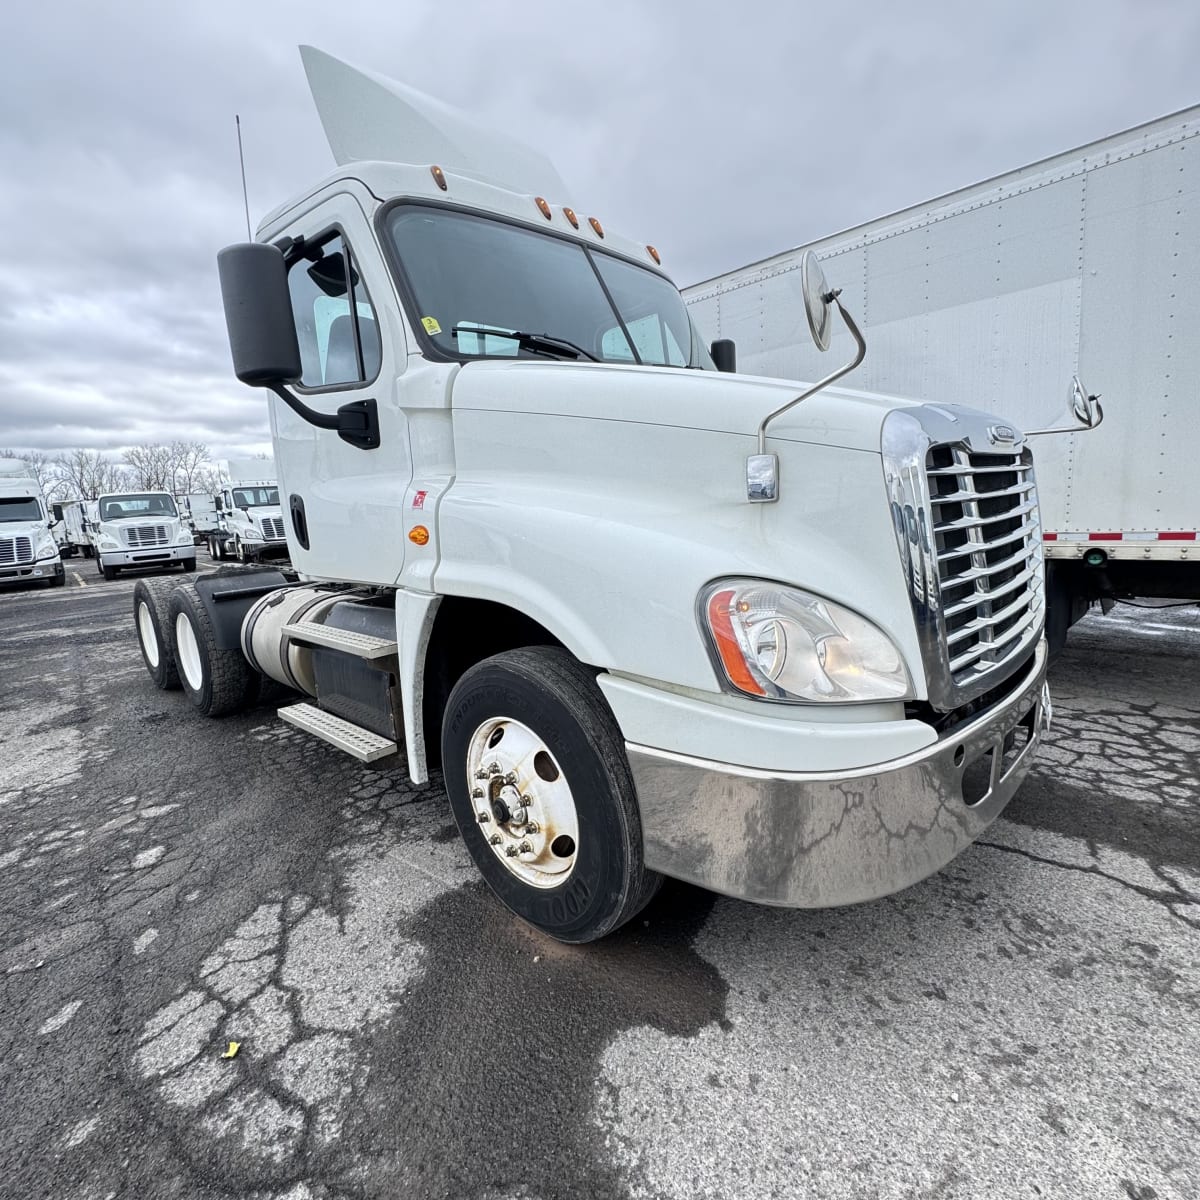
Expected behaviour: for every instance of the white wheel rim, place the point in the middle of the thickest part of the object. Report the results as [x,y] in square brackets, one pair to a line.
[522,802]
[145,625]
[187,652]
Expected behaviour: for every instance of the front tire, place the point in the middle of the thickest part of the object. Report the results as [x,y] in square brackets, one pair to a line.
[216,681]
[109,573]
[541,790]
[151,618]
[189,565]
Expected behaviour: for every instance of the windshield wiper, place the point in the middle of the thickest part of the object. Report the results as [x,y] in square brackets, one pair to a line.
[537,343]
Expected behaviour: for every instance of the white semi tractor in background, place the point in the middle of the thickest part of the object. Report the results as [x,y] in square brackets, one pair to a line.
[1088,263]
[250,525]
[28,550]
[649,617]
[140,530]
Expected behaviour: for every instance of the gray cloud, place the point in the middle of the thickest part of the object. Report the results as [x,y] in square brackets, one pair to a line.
[722,133]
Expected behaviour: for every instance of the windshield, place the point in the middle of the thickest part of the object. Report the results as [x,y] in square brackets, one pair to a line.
[115,508]
[468,272]
[19,508]
[255,497]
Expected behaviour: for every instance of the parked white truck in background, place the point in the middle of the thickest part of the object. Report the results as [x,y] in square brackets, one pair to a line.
[138,530]
[28,551]
[200,514]
[994,295]
[649,617]
[78,517]
[250,526]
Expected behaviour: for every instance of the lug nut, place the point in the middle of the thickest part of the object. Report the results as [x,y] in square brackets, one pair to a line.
[511,851]
[477,794]
[481,774]
[493,768]
[532,827]
[484,817]
[525,848]
[495,839]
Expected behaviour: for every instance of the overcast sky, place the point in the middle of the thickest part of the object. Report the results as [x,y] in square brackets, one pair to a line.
[721,132]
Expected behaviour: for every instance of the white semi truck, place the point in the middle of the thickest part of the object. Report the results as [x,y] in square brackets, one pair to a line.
[250,521]
[78,517]
[139,530]
[648,616]
[1088,263]
[201,515]
[28,551]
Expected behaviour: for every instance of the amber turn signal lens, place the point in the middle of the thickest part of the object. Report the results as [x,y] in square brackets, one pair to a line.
[727,645]
[650,250]
[596,226]
[439,177]
[418,535]
[569,213]
[544,208]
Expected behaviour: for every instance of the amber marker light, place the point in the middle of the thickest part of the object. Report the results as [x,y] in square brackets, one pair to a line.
[569,213]
[418,535]
[596,226]
[544,208]
[650,250]
[727,644]
[439,177]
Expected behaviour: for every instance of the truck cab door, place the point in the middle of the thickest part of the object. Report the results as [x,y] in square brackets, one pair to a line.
[352,348]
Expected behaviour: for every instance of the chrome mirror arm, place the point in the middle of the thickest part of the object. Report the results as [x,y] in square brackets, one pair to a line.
[762,469]
[1082,427]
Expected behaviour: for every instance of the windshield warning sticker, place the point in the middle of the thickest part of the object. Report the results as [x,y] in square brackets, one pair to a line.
[431,325]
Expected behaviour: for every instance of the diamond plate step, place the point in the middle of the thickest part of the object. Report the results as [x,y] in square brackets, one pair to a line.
[345,735]
[361,645]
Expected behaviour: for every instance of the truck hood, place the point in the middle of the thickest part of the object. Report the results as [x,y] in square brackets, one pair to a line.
[674,397]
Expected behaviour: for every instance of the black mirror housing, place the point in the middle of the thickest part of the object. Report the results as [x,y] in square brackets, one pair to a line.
[724,355]
[258,314]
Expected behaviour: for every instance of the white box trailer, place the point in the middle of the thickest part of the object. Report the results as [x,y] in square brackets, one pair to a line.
[993,296]
[78,518]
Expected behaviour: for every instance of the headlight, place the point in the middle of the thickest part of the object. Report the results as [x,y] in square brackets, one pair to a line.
[46,546]
[108,543]
[183,538]
[784,644]
[251,534]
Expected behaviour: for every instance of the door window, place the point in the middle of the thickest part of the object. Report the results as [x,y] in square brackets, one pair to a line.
[335,320]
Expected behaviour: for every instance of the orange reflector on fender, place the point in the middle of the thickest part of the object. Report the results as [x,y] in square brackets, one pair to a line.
[418,535]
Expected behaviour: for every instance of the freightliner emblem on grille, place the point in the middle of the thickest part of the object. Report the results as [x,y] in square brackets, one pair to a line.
[1002,433]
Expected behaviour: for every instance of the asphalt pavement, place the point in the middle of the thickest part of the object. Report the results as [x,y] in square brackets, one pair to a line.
[1024,1024]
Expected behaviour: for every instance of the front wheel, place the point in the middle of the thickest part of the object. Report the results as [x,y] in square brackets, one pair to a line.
[540,787]
[189,565]
[109,573]
[216,681]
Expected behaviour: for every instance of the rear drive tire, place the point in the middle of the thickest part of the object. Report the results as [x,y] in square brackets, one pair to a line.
[216,681]
[152,621]
[528,740]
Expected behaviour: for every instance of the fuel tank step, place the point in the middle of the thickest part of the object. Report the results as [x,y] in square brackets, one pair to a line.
[345,735]
[361,645]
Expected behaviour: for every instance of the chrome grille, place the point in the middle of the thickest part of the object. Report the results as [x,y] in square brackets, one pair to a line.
[983,515]
[15,550]
[273,528]
[140,536]
[965,514]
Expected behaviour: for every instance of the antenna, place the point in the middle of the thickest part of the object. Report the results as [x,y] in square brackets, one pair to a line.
[242,161]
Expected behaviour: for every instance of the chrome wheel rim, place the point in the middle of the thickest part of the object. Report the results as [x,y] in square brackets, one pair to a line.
[522,802]
[187,652]
[145,624]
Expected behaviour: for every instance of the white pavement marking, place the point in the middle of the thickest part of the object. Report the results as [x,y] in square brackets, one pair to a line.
[144,939]
[60,1018]
[148,858]
[79,579]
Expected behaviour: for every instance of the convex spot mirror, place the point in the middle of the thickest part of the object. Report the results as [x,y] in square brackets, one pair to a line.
[1085,407]
[818,300]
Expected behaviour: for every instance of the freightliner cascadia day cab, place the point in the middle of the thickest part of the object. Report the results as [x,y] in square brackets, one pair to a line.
[140,529]
[648,616]
[251,523]
[28,550]
[1086,262]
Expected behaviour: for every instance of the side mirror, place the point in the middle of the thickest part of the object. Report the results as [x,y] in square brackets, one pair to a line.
[724,355]
[258,314]
[1085,408]
[762,469]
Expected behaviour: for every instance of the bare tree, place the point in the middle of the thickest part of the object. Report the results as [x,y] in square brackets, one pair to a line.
[189,463]
[86,474]
[150,467]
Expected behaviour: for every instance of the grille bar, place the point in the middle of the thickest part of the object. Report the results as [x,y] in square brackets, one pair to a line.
[16,550]
[968,470]
[977,652]
[978,522]
[972,494]
[988,622]
[1002,590]
[1022,535]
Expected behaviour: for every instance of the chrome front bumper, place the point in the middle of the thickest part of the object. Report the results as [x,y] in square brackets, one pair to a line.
[147,556]
[824,839]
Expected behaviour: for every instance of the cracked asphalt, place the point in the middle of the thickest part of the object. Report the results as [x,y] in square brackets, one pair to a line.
[1023,1024]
